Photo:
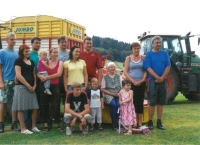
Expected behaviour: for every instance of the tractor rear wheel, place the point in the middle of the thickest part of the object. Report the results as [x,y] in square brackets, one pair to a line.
[172,85]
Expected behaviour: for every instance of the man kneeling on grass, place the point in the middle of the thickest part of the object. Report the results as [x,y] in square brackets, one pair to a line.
[77,109]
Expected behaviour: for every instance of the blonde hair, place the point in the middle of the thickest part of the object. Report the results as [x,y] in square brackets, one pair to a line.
[94,80]
[43,51]
[51,50]
[10,34]
[76,85]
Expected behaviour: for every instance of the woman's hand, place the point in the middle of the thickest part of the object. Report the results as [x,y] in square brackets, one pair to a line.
[84,89]
[30,88]
[34,87]
[67,91]
[42,78]
[115,94]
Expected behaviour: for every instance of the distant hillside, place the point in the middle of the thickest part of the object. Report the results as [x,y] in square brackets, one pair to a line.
[118,49]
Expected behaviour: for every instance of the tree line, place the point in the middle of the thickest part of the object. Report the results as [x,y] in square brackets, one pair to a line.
[118,49]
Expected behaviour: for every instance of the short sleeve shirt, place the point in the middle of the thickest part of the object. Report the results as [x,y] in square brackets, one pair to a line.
[95,98]
[158,61]
[75,71]
[26,71]
[77,103]
[7,60]
[93,62]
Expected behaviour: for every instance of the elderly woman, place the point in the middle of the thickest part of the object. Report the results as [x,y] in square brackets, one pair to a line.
[111,85]
[134,71]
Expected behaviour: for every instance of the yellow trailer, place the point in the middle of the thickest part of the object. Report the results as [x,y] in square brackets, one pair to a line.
[48,28]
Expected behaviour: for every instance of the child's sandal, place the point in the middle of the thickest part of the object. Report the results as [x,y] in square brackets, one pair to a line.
[128,133]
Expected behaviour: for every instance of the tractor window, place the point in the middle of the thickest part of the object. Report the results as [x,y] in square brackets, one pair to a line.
[176,45]
[145,46]
[165,44]
[172,44]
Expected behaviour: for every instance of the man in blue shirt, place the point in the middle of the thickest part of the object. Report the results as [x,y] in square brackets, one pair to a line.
[63,55]
[157,64]
[7,75]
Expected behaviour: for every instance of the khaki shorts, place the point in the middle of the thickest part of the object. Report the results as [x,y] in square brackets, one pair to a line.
[7,94]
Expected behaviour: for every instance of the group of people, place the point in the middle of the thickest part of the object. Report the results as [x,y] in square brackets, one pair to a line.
[34,80]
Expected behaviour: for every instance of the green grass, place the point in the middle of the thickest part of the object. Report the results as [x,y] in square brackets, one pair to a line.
[181,119]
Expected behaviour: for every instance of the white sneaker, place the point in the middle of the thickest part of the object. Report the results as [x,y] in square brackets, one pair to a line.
[47,92]
[35,129]
[27,132]
[68,130]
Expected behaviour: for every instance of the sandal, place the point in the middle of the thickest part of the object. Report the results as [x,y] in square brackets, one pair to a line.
[27,132]
[128,133]
[60,129]
[46,129]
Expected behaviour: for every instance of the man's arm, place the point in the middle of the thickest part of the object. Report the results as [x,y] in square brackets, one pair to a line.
[70,111]
[86,110]
[100,75]
[2,85]
[167,69]
[150,70]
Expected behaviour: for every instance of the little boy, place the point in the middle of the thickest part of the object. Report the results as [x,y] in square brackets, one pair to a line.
[96,103]
[77,109]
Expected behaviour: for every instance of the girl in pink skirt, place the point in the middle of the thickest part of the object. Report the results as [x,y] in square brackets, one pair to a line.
[128,117]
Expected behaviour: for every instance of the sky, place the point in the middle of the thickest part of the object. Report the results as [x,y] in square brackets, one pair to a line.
[122,20]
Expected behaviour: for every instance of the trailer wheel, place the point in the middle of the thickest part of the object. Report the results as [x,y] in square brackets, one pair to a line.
[172,85]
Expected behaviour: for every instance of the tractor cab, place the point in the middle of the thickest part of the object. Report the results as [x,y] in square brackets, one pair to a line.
[185,64]
[170,43]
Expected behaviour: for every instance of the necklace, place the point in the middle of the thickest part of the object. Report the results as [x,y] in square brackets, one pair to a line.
[52,63]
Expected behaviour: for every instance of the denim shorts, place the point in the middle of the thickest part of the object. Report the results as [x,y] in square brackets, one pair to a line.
[157,92]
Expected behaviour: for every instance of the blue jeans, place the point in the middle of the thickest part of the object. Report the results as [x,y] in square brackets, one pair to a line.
[47,82]
[114,105]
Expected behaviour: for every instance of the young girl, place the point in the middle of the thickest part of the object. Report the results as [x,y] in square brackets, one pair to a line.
[42,69]
[128,117]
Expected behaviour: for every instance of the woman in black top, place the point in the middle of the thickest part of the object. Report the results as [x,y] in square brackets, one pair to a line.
[24,94]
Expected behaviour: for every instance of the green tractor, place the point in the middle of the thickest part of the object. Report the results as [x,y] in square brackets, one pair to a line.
[184,75]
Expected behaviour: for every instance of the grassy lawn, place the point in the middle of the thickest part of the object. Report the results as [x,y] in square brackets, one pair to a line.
[181,119]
